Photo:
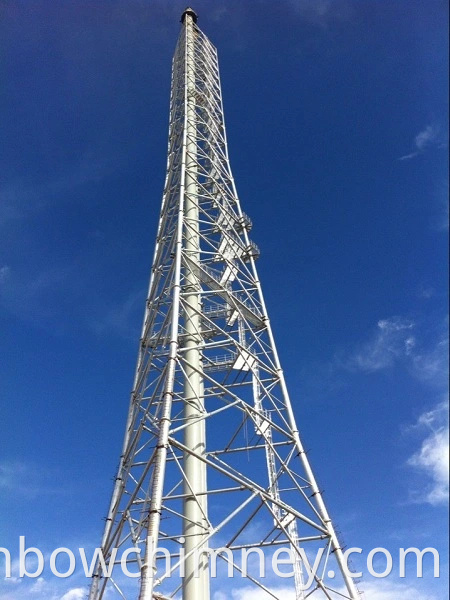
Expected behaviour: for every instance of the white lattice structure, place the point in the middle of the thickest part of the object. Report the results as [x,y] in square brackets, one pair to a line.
[212,455]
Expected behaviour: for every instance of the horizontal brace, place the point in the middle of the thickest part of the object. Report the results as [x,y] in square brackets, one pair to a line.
[250,485]
[207,493]
[311,538]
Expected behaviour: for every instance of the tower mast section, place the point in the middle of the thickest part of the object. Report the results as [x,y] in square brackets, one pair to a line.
[212,457]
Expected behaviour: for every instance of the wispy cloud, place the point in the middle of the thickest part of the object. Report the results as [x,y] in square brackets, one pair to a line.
[48,295]
[432,459]
[321,12]
[122,319]
[75,594]
[426,292]
[39,586]
[383,589]
[40,589]
[29,481]
[392,343]
[397,340]
[392,340]
[255,593]
[20,199]
[441,218]
[4,274]
[431,364]
[35,295]
[427,138]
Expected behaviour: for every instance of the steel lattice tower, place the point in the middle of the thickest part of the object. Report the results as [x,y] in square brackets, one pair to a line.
[212,455]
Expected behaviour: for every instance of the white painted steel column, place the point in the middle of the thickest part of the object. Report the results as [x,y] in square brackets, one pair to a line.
[196,580]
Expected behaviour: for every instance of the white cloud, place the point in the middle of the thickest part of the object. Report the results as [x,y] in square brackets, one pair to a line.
[75,594]
[383,589]
[34,294]
[426,292]
[432,458]
[441,218]
[11,473]
[408,156]
[27,480]
[321,12]
[20,199]
[255,593]
[122,319]
[42,589]
[38,586]
[426,138]
[431,365]
[393,340]
[11,581]
[4,273]
[318,7]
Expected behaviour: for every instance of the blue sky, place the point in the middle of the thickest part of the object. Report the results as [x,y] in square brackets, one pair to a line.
[337,116]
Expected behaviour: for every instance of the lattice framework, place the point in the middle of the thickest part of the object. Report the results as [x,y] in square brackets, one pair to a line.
[212,455]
